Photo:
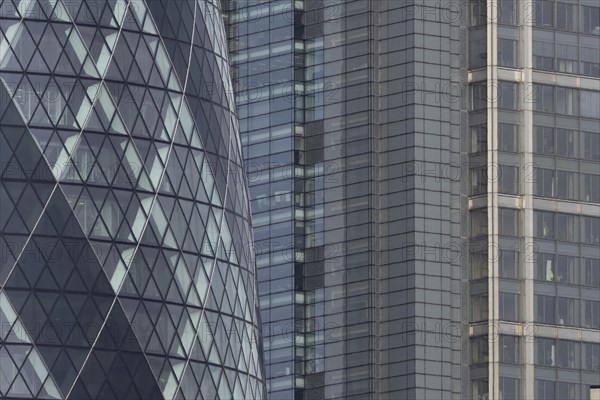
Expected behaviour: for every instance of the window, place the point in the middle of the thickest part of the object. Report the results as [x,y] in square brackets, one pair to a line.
[566,16]
[591,230]
[507,12]
[478,12]
[508,264]
[479,180]
[543,13]
[10,370]
[478,96]
[543,222]
[545,352]
[590,104]
[543,55]
[479,307]
[566,227]
[85,212]
[568,311]
[478,138]
[111,215]
[591,188]
[477,50]
[509,306]
[544,140]
[508,95]
[480,350]
[566,185]
[545,311]
[565,143]
[509,349]
[509,388]
[544,267]
[590,20]
[543,98]
[567,270]
[591,314]
[507,137]
[479,264]
[591,271]
[508,179]
[591,146]
[567,101]
[590,61]
[479,223]
[568,391]
[545,390]
[280,384]
[544,182]
[509,222]
[566,58]
[508,51]
[591,353]
[479,389]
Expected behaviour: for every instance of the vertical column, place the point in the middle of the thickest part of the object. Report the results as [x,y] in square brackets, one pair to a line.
[526,149]
[492,197]
[334,234]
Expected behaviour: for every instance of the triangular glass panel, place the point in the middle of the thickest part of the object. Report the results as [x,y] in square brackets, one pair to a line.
[189,386]
[75,282]
[41,117]
[108,18]
[49,391]
[64,66]
[46,281]
[22,40]
[92,376]
[10,62]
[113,72]
[87,35]
[103,48]
[93,122]
[85,15]
[38,64]
[19,388]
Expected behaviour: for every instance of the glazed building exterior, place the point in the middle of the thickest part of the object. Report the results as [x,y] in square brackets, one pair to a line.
[534,129]
[422,172]
[356,232]
[124,219]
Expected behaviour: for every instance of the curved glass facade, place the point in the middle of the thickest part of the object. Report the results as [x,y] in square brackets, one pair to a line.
[124,220]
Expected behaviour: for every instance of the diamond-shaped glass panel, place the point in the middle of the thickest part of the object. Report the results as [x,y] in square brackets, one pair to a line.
[113,213]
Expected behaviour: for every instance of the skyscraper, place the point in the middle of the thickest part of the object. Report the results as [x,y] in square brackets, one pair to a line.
[534,122]
[345,134]
[124,219]
[424,184]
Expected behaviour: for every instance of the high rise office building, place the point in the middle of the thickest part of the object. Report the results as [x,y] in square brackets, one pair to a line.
[124,210]
[425,182]
[344,135]
[534,205]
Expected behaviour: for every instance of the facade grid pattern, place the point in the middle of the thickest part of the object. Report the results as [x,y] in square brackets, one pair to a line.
[533,122]
[345,135]
[126,270]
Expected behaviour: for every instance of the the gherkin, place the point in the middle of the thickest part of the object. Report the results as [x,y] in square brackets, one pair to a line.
[125,270]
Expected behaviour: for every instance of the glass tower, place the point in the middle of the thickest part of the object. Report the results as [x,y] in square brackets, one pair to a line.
[125,270]
[424,181]
[349,121]
[264,59]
